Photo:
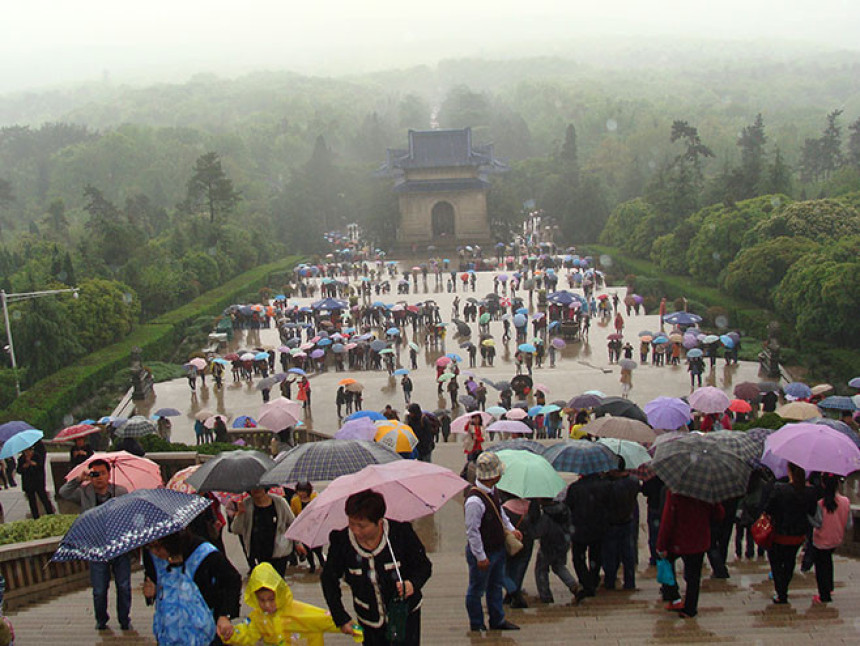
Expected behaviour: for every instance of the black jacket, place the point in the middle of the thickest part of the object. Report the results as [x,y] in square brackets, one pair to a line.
[790,510]
[588,502]
[347,560]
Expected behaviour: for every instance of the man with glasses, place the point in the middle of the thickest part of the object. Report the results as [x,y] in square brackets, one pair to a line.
[91,489]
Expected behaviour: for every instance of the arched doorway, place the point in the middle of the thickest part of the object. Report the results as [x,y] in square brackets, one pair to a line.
[443,220]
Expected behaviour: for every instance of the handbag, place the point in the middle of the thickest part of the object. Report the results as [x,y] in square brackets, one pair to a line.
[763,531]
[665,572]
[513,545]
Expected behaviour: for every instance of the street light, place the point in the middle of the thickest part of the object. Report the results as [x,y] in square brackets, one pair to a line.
[14,298]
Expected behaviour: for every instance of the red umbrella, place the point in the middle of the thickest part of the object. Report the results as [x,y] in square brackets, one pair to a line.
[615,337]
[740,406]
[231,357]
[71,433]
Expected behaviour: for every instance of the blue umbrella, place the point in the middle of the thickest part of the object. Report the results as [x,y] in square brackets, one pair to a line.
[534,411]
[519,320]
[401,371]
[338,348]
[19,442]
[526,347]
[297,371]
[10,429]
[453,356]
[261,356]
[127,522]
[392,331]
[694,353]
[727,341]
[324,342]
[165,412]
[371,414]
[581,456]
[838,402]
[523,310]
[244,421]
[682,318]
[798,390]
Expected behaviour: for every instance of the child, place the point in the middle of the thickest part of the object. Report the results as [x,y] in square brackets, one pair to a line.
[550,522]
[835,512]
[275,617]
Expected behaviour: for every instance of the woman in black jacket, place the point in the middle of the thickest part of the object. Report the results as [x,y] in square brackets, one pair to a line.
[790,506]
[361,554]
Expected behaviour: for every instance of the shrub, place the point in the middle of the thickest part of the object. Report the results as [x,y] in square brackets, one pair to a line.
[21,531]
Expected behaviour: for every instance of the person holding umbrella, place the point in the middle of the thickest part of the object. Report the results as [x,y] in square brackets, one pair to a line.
[384,564]
[790,506]
[91,489]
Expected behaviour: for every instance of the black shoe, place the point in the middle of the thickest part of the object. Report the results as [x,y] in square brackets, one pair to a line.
[477,629]
[779,600]
[505,625]
[125,626]
[547,600]
[519,601]
[101,626]
[507,600]
[579,595]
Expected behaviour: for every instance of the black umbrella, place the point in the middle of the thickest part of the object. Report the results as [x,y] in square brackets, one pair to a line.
[519,444]
[521,382]
[467,344]
[469,402]
[231,471]
[378,345]
[462,328]
[620,407]
[585,401]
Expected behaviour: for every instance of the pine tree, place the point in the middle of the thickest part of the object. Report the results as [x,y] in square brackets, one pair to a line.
[211,188]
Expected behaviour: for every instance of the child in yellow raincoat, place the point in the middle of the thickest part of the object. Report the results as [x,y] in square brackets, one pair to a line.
[276,618]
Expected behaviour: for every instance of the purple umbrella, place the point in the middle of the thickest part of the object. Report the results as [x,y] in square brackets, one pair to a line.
[667,412]
[690,341]
[813,447]
[316,354]
[709,399]
[509,426]
[558,343]
[361,428]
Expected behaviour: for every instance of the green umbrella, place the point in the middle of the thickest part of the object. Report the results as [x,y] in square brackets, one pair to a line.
[446,376]
[634,454]
[484,318]
[528,475]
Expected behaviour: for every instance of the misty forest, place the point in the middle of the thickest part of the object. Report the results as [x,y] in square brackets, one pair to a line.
[741,172]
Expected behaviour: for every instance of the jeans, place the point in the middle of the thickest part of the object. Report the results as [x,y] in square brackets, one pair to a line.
[588,569]
[100,581]
[782,559]
[487,581]
[516,566]
[618,550]
[692,579]
[823,560]
[559,567]
[653,531]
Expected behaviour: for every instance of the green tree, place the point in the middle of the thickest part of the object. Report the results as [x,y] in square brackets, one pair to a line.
[752,141]
[104,312]
[818,220]
[623,221]
[45,336]
[778,179]
[854,143]
[211,188]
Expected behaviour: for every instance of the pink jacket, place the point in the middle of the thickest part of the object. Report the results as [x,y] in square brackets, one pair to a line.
[833,524]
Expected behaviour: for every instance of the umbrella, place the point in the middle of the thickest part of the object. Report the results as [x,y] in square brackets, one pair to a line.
[401,371]
[412,489]
[211,421]
[814,447]
[297,371]
[645,333]
[798,411]
[454,357]
[702,468]
[244,421]
[137,426]
[497,411]
[797,390]
[585,401]
[836,402]
[821,389]
[198,363]
[469,402]
[620,407]
[740,406]
[395,435]
[746,446]
[279,414]
[558,343]
[327,460]
[528,475]
[317,354]
[622,428]
[124,523]
[541,387]
[581,456]
[10,429]
[413,345]
[747,391]
[837,425]
[855,382]
[361,428]
[510,426]
[71,433]
[445,376]
[443,361]
[668,413]
[709,399]
[127,470]
[695,353]
[634,454]
[19,442]
[178,481]
[627,364]
[203,414]
[518,444]
[458,425]
[372,415]
[167,412]
[682,318]
[516,414]
[232,471]
[267,383]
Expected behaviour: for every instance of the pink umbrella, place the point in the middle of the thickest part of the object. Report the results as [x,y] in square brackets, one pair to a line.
[198,363]
[814,447]
[279,414]
[459,424]
[516,414]
[209,422]
[509,426]
[127,470]
[350,346]
[443,361]
[362,428]
[541,387]
[690,341]
[709,399]
[71,433]
[411,488]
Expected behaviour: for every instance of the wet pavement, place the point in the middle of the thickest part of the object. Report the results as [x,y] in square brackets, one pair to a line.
[579,367]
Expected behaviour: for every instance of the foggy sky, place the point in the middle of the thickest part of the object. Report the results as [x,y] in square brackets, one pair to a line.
[44,42]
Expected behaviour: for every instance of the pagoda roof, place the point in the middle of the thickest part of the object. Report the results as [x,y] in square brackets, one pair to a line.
[441,149]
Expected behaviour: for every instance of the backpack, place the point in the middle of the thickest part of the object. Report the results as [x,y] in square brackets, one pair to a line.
[182,617]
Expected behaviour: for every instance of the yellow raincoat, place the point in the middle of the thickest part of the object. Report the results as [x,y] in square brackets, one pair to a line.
[293,623]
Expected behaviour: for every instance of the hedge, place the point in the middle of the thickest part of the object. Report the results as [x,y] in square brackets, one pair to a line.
[47,526]
[47,401]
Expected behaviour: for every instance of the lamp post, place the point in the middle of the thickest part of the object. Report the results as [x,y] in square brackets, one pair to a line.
[14,298]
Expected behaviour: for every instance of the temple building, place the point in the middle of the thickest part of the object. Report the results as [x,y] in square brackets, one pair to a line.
[441,182]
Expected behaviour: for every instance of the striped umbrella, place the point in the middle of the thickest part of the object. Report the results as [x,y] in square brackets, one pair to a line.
[327,460]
